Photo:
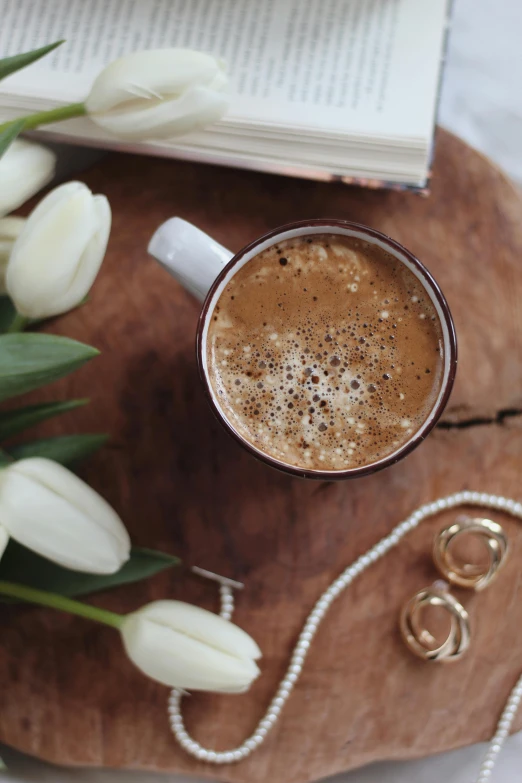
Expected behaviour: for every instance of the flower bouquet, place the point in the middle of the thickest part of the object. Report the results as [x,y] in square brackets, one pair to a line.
[58,538]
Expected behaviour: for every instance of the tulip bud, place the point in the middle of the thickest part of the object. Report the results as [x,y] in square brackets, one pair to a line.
[10,228]
[25,169]
[184,646]
[48,509]
[158,94]
[59,251]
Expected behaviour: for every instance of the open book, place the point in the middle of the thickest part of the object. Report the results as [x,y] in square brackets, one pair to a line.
[327,89]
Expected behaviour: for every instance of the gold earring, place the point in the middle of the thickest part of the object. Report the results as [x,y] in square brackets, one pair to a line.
[475,577]
[420,640]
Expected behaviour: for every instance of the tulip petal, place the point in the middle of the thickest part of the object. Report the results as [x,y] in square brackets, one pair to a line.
[159,94]
[25,168]
[147,74]
[51,511]
[55,259]
[10,228]
[194,109]
[46,523]
[204,626]
[177,660]
[91,259]
[54,197]
[55,235]
[61,481]
[4,540]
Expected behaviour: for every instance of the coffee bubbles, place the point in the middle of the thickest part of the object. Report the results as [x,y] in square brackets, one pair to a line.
[325,352]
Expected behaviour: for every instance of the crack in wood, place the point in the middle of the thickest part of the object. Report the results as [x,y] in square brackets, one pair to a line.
[478,421]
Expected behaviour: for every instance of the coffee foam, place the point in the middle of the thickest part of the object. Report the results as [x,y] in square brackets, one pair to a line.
[325,352]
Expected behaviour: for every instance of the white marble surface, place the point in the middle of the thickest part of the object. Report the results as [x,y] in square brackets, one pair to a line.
[482,102]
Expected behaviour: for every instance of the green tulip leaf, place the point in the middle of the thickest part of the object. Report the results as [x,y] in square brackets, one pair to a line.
[23,566]
[14,421]
[65,449]
[7,313]
[28,361]
[9,65]
[9,134]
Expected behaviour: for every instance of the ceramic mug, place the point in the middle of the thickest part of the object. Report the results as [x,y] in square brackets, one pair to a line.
[204,267]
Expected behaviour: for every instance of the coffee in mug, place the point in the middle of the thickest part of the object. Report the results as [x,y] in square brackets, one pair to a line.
[325,352]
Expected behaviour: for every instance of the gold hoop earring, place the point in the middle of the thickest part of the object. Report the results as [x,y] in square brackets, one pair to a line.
[420,640]
[469,575]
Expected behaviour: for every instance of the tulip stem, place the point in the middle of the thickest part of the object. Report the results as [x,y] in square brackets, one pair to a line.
[60,602]
[45,117]
[18,324]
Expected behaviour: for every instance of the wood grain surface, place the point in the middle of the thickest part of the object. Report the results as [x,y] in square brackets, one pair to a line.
[180,483]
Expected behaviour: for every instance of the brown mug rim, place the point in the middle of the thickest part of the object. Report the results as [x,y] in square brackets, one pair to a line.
[428,281]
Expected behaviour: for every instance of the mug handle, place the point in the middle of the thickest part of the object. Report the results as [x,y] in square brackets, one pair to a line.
[190,255]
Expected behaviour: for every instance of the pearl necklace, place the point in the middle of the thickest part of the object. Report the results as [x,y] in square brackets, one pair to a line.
[312,624]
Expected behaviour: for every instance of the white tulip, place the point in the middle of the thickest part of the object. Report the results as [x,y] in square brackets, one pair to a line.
[159,94]
[184,646]
[48,509]
[10,228]
[59,251]
[25,169]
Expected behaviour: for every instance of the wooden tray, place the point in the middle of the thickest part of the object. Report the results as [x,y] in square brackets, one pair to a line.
[180,483]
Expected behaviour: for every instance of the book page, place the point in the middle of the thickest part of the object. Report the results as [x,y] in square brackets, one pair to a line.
[358,66]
